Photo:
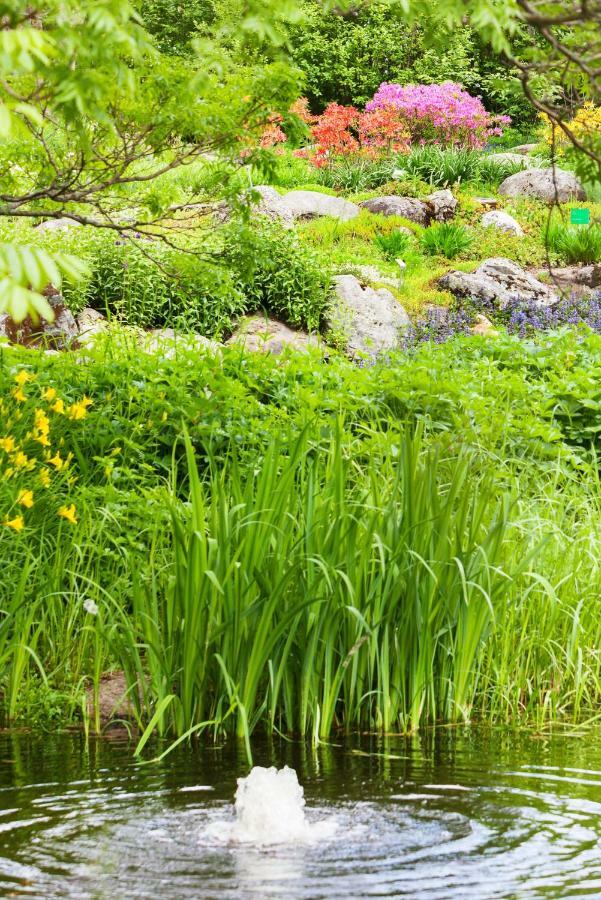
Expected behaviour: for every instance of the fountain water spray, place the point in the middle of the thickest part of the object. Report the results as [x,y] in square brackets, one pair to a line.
[270,807]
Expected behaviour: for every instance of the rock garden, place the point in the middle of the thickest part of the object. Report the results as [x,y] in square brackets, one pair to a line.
[360,243]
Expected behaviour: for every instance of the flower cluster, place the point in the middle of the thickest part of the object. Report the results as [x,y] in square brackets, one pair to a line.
[438,325]
[524,319]
[345,131]
[585,127]
[33,463]
[440,113]
[272,133]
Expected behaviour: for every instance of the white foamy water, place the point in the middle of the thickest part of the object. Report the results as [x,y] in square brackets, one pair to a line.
[270,809]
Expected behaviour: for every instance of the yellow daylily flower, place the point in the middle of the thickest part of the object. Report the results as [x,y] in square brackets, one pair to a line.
[19,395]
[20,459]
[49,394]
[79,410]
[17,524]
[7,444]
[23,377]
[42,428]
[41,420]
[44,477]
[57,461]
[59,406]
[25,499]
[68,513]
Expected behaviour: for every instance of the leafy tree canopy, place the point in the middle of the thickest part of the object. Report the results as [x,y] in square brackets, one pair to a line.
[91,111]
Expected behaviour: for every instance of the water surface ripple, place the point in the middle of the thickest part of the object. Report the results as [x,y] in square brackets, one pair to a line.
[456,814]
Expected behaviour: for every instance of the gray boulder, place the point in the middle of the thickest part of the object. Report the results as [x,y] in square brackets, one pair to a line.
[496,218]
[371,275]
[550,184]
[167,342]
[266,203]
[414,210]
[568,276]
[272,206]
[61,224]
[442,205]
[499,281]
[311,204]
[258,333]
[90,323]
[370,321]
[56,335]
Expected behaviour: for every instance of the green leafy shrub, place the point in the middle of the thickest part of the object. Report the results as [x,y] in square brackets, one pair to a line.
[174,24]
[393,245]
[575,243]
[150,285]
[288,171]
[278,273]
[446,239]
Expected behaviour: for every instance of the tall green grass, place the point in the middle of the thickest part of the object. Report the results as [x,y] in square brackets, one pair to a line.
[320,592]
[443,167]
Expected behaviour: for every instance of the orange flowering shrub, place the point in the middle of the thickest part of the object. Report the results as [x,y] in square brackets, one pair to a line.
[345,131]
[35,470]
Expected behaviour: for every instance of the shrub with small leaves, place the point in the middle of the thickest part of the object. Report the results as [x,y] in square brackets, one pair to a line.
[152,285]
[278,273]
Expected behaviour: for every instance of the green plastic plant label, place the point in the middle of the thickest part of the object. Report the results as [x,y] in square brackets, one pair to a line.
[580,216]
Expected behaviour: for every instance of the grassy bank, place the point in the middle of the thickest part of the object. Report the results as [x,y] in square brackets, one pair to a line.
[336,547]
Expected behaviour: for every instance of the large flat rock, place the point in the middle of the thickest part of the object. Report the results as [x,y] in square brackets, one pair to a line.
[264,335]
[502,221]
[407,207]
[312,204]
[550,184]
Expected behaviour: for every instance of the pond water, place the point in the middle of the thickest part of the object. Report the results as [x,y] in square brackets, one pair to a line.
[451,814]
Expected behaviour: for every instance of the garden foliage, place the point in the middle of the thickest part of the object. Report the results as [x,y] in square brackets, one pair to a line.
[340,620]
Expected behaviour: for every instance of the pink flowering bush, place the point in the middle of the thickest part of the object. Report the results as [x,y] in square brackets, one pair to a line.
[439,113]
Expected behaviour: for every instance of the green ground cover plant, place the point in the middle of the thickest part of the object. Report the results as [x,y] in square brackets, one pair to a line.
[394,245]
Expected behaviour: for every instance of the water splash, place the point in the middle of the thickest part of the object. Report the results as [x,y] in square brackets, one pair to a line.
[270,809]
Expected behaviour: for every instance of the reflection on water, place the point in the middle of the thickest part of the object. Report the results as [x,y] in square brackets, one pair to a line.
[456,814]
